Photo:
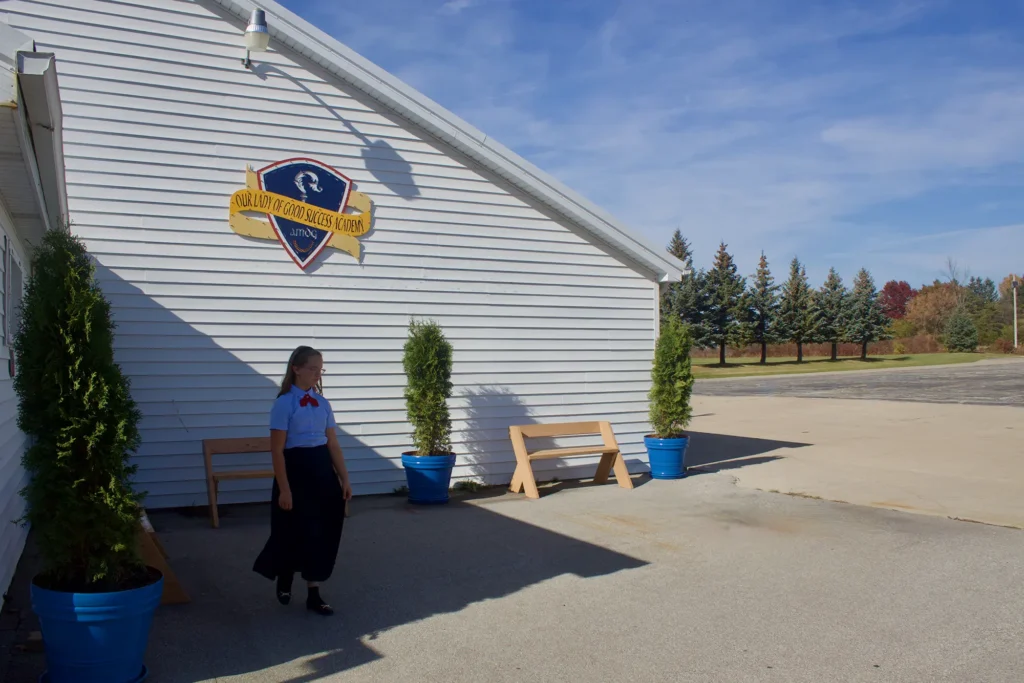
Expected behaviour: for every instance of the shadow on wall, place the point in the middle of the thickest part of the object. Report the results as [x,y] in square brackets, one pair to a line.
[398,565]
[490,410]
[490,459]
[381,159]
[189,388]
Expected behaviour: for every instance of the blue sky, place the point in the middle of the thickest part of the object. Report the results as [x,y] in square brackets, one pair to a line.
[859,133]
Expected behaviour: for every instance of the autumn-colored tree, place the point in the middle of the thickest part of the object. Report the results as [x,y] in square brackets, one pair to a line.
[930,310]
[796,313]
[903,328]
[894,298]
[1006,287]
[867,321]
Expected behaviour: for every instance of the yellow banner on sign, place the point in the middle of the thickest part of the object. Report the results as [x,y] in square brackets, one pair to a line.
[346,227]
[299,212]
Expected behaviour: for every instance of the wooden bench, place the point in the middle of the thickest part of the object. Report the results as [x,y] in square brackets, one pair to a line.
[611,456]
[212,447]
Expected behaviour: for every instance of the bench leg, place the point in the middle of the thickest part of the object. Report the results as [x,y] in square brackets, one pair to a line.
[211,488]
[622,473]
[603,468]
[529,482]
[523,479]
[523,476]
[517,479]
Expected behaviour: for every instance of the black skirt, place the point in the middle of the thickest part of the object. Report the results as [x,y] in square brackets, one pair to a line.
[305,539]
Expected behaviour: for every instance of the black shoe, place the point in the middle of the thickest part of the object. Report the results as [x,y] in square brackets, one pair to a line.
[284,590]
[314,603]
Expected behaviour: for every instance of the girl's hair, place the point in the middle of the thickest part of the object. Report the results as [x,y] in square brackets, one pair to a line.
[300,357]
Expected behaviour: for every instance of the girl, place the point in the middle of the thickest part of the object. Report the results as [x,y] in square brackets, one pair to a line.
[311,484]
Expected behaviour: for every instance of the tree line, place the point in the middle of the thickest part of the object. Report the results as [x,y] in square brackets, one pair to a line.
[723,309]
[963,311]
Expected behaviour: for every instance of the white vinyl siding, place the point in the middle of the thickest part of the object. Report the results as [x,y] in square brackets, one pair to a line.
[12,440]
[160,122]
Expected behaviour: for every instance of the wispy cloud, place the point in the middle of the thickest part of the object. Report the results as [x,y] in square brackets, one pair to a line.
[827,130]
[456,6]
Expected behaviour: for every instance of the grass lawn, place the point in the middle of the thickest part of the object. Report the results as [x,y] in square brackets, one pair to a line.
[705,368]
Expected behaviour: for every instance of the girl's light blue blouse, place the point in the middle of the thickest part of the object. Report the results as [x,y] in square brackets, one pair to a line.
[306,425]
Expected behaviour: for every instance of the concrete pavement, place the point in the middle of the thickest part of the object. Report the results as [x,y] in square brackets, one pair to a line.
[959,461]
[693,580]
[948,440]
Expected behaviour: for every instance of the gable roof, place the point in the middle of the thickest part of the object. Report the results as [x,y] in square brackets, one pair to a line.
[301,37]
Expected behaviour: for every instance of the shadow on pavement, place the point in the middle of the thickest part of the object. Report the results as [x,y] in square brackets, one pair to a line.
[709,452]
[398,564]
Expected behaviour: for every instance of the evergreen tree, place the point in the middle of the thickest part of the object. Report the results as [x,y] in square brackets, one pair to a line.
[680,248]
[982,306]
[688,298]
[867,321]
[427,361]
[77,408]
[725,288]
[961,334]
[673,299]
[830,311]
[982,291]
[796,310]
[671,381]
[692,303]
[762,309]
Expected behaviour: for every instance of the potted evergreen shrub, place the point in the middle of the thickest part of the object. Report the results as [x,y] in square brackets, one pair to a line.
[670,411]
[94,597]
[428,369]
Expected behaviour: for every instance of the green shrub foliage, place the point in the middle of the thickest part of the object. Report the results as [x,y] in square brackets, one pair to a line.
[671,381]
[76,405]
[961,333]
[428,371]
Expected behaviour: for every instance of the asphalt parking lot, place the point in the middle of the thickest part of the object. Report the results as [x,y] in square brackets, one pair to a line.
[990,382]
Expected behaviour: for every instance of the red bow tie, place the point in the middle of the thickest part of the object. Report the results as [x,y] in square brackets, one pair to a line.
[308,400]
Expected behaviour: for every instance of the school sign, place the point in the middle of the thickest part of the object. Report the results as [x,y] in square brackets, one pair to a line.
[305,202]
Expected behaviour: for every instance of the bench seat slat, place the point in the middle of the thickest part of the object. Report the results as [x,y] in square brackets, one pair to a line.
[540,431]
[576,450]
[243,474]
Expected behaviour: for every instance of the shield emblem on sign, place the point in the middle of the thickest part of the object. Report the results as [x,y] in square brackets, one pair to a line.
[310,182]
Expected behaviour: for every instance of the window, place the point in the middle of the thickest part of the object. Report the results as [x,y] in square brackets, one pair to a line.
[14,286]
[3,292]
[11,291]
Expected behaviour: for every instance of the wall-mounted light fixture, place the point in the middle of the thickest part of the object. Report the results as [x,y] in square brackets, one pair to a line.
[257,37]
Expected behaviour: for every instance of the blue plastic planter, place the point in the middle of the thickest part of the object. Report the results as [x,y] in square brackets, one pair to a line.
[667,457]
[428,477]
[96,637]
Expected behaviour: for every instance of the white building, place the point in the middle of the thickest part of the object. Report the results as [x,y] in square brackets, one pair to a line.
[550,303]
